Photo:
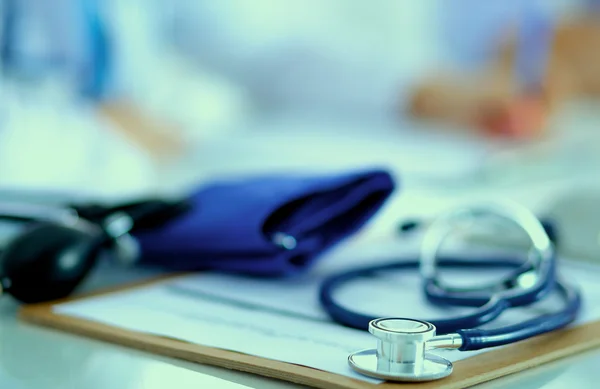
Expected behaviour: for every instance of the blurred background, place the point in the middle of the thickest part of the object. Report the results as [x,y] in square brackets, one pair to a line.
[462,98]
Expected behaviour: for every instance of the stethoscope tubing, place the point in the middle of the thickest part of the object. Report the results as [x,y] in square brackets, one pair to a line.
[473,337]
[357,320]
[413,225]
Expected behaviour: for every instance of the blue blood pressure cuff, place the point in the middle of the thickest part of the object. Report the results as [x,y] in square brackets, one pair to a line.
[269,226]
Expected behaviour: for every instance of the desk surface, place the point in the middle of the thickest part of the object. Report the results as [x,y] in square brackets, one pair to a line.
[34,358]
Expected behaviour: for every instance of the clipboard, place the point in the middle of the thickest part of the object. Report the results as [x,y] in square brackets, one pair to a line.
[467,372]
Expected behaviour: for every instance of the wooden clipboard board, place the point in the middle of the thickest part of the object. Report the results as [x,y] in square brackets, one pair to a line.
[468,372]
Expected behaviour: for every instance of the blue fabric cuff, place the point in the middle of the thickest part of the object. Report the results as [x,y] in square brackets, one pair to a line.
[270,226]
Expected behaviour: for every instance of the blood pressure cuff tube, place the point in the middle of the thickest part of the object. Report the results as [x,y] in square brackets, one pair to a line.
[266,226]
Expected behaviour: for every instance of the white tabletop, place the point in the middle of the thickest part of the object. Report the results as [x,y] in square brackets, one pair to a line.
[33,358]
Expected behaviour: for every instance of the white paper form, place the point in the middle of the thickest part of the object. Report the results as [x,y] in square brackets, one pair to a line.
[281,319]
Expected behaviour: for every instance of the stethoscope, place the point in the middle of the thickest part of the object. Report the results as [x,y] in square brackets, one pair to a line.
[58,246]
[404,344]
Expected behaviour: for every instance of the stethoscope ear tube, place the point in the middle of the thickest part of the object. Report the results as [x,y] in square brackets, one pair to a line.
[413,225]
[540,258]
[483,313]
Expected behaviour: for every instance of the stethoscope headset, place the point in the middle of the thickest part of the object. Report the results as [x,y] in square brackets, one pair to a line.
[59,246]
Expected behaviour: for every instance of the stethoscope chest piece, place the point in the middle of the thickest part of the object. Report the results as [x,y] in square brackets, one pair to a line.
[401,352]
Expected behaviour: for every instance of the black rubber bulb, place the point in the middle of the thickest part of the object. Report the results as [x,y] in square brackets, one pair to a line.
[48,261]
